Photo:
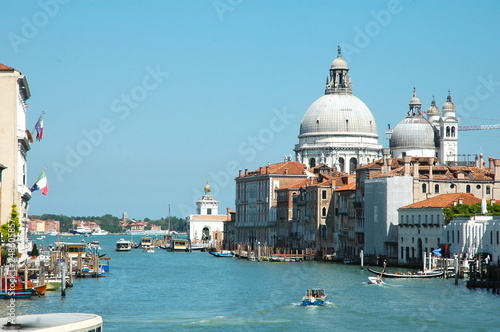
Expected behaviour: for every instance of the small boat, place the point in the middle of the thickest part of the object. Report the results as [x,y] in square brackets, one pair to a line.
[15,284]
[123,245]
[70,322]
[99,231]
[149,249]
[53,284]
[222,253]
[180,245]
[408,275]
[146,242]
[314,297]
[377,280]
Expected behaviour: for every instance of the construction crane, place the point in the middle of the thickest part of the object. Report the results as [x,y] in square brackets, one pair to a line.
[478,127]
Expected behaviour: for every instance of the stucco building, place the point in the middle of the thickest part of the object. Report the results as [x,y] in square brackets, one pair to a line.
[15,144]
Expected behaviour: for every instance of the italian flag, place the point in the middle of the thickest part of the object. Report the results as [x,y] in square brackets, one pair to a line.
[41,184]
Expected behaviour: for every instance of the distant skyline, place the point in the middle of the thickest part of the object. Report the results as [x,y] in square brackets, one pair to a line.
[146,100]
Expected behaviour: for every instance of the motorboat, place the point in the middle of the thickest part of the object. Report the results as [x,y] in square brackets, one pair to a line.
[180,245]
[314,297]
[149,249]
[123,245]
[375,280]
[99,231]
[70,322]
[222,253]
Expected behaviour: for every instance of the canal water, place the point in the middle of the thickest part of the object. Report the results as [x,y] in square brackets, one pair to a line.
[165,291]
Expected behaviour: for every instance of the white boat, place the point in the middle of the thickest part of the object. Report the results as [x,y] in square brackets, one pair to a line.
[375,280]
[69,322]
[123,245]
[81,230]
[99,231]
[315,297]
[149,249]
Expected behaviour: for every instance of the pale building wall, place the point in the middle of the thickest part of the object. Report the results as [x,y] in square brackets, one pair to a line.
[416,235]
[383,197]
[14,90]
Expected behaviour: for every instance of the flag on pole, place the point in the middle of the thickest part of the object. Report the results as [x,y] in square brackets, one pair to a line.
[39,128]
[41,184]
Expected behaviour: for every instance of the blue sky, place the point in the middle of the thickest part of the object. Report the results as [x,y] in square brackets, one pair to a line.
[145,100]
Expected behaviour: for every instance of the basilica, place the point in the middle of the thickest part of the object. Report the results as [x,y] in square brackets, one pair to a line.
[345,195]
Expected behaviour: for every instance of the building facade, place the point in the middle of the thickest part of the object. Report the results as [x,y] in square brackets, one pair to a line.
[206,227]
[15,138]
[256,201]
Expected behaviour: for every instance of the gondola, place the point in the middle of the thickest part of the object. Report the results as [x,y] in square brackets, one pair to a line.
[408,275]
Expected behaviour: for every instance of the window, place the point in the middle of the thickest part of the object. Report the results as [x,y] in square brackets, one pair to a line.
[424,188]
[419,219]
[209,211]
[436,189]
[425,240]
[488,190]
[342,164]
[467,188]
[323,212]
[323,194]
[353,164]
[312,163]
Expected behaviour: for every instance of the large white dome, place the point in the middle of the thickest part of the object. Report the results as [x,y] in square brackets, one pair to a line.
[338,114]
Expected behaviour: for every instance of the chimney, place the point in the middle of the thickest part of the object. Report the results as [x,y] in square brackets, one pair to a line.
[490,159]
[239,173]
[481,160]
[386,167]
[460,201]
[430,160]
[496,171]
[246,171]
[406,162]
[416,168]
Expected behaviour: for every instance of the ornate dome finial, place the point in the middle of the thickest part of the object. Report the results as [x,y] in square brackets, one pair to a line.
[339,51]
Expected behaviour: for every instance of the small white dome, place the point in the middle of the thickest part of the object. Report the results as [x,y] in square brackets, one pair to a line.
[339,63]
[414,132]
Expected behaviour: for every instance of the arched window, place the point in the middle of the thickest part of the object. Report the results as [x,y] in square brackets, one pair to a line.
[467,188]
[447,131]
[424,188]
[323,212]
[488,190]
[452,131]
[312,163]
[436,189]
[206,234]
[353,164]
[342,164]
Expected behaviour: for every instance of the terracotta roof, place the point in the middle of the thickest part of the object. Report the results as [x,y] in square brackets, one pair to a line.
[349,186]
[4,67]
[445,200]
[288,167]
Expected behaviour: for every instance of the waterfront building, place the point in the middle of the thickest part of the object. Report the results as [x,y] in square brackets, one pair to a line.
[479,234]
[386,185]
[15,145]
[338,129]
[421,224]
[206,227]
[256,200]
[347,240]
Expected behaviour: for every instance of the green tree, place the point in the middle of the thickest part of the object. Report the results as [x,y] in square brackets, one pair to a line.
[12,228]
